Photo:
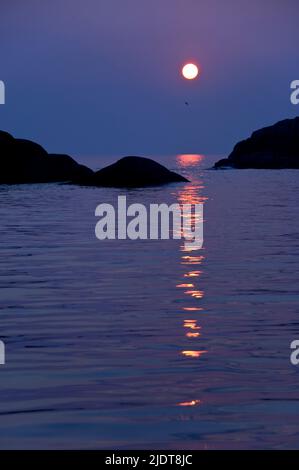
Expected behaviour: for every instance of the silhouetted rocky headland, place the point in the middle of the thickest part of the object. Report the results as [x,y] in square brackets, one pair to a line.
[23,161]
[274,147]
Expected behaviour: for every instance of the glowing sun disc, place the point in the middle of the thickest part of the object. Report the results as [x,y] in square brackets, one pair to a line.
[190,71]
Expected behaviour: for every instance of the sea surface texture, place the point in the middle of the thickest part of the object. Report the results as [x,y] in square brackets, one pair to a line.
[144,344]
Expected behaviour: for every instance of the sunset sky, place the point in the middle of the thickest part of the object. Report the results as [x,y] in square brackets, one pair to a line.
[103,76]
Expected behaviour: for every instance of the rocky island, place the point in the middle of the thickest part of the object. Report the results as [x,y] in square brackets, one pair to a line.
[134,172]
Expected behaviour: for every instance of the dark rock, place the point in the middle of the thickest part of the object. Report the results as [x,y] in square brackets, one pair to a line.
[23,161]
[135,172]
[224,162]
[68,169]
[273,147]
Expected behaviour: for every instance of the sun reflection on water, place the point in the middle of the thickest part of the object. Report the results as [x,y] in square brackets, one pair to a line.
[185,286]
[192,309]
[191,193]
[190,403]
[193,274]
[193,353]
[191,259]
[189,159]
[192,335]
[191,324]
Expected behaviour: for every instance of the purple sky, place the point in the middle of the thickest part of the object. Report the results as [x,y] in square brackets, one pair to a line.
[102,76]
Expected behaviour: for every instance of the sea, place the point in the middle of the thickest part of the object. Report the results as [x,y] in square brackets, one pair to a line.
[147,344]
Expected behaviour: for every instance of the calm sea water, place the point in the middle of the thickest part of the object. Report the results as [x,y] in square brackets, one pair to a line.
[140,344]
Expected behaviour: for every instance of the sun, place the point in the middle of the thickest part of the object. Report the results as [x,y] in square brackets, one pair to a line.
[190,71]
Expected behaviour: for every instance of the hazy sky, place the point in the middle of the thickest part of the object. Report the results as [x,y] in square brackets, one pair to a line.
[102,76]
